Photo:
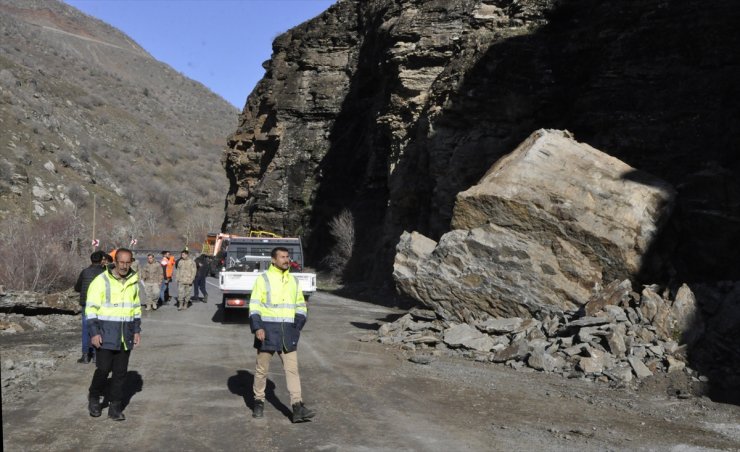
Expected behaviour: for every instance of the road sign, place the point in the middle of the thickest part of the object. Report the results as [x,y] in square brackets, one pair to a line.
[134,242]
[95,243]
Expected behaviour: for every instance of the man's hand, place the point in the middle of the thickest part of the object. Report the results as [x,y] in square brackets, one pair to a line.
[137,339]
[260,334]
[96,341]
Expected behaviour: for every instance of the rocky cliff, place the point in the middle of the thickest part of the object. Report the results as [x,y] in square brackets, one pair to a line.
[391,108]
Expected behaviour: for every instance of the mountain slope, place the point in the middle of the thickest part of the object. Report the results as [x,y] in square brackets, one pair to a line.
[85,111]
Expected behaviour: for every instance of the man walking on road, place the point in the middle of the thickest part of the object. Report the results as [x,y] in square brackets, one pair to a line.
[185,275]
[151,275]
[202,263]
[277,314]
[83,283]
[114,316]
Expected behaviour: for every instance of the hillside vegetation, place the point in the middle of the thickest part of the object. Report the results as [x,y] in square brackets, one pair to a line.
[87,115]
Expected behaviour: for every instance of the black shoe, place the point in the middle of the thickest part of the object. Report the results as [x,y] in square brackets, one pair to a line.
[84,359]
[115,411]
[259,409]
[204,299]
[301,413]
[93,406]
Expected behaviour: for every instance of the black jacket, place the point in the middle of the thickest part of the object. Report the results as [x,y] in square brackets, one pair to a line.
[204,265]
[84,280]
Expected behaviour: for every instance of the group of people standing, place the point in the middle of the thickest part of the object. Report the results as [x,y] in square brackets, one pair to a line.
[157,278]
[111,321]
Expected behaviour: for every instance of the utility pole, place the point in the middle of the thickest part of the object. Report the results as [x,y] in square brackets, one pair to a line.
[92,240]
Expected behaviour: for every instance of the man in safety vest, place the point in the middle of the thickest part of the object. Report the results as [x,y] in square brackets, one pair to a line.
[277,313]
[114,320]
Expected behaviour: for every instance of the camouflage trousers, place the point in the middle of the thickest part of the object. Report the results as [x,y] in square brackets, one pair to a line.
[184,292]
[151,295]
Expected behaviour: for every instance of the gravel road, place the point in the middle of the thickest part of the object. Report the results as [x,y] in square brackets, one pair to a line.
[190,389]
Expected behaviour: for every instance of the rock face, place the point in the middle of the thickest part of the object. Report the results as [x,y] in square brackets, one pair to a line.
[391,108]
[14,301]
[543,227]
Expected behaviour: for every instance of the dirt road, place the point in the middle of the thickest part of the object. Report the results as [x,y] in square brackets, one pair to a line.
[190,389]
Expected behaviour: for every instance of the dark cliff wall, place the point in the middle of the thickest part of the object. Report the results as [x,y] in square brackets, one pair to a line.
[390,108]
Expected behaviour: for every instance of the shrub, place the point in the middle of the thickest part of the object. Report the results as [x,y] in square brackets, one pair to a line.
[342,229]
[78,196]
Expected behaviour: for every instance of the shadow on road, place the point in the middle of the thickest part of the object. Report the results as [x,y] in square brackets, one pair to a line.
[365,326]
[391,318]
[241,384]
[239,316]
[132,384]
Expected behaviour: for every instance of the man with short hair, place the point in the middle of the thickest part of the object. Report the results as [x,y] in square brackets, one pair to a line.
[203,264]
[107,261]
[151,275]
[114,317]
[83,283]
[277,314]
[185,275]
[168,267]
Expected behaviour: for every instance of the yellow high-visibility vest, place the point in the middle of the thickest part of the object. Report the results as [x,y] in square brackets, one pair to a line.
[112,300]
[277,297]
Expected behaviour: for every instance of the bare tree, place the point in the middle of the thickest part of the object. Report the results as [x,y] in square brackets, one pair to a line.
[41,255]
[342,229]
[148,220]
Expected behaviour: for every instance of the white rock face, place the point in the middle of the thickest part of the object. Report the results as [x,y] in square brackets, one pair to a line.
[38,209]
[545,225]
[41,193]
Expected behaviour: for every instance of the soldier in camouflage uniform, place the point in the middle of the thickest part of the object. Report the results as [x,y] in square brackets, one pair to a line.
[186,271]
[151,275]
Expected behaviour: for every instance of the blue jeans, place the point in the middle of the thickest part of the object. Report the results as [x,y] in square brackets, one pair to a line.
[87,348]
[162,289]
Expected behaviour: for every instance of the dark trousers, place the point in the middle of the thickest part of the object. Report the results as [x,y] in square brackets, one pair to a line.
[200,284]
[108,361]
[87,348]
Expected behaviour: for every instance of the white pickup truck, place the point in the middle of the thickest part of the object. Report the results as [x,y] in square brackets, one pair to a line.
[247,258]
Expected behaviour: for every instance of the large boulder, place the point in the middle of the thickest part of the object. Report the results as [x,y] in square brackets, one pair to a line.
[540,230]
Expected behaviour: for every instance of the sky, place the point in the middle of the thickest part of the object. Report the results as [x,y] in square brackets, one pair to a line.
[220,43]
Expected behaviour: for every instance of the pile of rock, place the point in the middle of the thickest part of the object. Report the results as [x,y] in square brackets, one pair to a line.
[618,335]
[38,331]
